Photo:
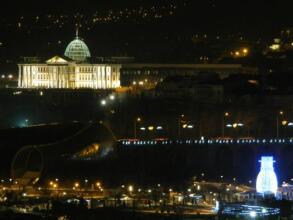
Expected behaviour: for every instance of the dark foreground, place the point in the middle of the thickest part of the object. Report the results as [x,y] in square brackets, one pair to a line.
[103,214]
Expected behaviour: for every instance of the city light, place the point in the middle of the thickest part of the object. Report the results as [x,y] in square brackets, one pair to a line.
[267,182]
[284,122]
[252,214]
[130,188]
[103,102]
[151,128]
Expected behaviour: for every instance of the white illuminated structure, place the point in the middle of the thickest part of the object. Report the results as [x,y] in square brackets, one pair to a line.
[267,183]
[71,71]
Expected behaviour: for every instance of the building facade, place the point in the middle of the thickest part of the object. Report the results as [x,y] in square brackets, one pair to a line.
[71,71]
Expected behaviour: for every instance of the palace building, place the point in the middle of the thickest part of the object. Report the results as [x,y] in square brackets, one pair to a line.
[74,70]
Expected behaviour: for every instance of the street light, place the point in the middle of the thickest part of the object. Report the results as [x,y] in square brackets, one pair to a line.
[112,97]
[151,128]
[280,113]
[130,188]
[179,125]
[136,120]
[26,122]
[225,115]
[103,102]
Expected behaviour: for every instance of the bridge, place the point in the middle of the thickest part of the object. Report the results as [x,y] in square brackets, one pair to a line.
[231,158]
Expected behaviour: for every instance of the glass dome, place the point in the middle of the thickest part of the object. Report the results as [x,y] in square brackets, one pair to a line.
[77,50]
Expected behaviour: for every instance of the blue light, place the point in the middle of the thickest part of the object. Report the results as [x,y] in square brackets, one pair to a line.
[267,182]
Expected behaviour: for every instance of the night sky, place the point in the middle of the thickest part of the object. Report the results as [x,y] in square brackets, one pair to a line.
[167,37]
[237,13]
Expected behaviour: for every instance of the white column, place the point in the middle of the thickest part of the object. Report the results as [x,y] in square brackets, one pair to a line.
[19,75]
[25,77]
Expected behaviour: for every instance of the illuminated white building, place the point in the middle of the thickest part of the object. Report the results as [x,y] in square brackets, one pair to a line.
[72,71]
[267,182]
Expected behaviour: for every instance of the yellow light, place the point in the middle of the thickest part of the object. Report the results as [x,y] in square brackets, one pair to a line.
[275,47]
[51,183]
[151,128]
[235,125]
[55,185]
[130,188]
[138,119]
[226,114]
[245,50]
[76,185]
[98,184]
[284,122]
[237,53]
[281,112]
[184,126]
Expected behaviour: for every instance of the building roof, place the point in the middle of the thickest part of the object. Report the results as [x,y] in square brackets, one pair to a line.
[77,50]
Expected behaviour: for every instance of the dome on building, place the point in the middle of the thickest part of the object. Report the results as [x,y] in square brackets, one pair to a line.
[77,50]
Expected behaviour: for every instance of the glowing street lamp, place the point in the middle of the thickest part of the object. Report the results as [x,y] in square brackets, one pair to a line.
[130,188]
[26,122]
[151,128]
[159,128]
[112,97]
[103,102]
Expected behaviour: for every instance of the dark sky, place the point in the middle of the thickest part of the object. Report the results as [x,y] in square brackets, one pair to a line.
[251,17]
[256,14]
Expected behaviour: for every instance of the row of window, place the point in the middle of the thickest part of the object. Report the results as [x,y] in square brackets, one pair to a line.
[91,69]
[89,77]
[139,72]
[81,77]
[89,85]
[82,69]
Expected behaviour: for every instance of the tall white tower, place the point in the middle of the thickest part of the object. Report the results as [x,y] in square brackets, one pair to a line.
[267,183]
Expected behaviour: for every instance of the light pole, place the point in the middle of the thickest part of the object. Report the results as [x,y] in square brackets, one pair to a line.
[179,125]
[136,120]
[225,115]
[26,122]
[280,113]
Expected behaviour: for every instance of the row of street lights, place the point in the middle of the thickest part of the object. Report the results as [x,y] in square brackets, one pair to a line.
[183,123]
